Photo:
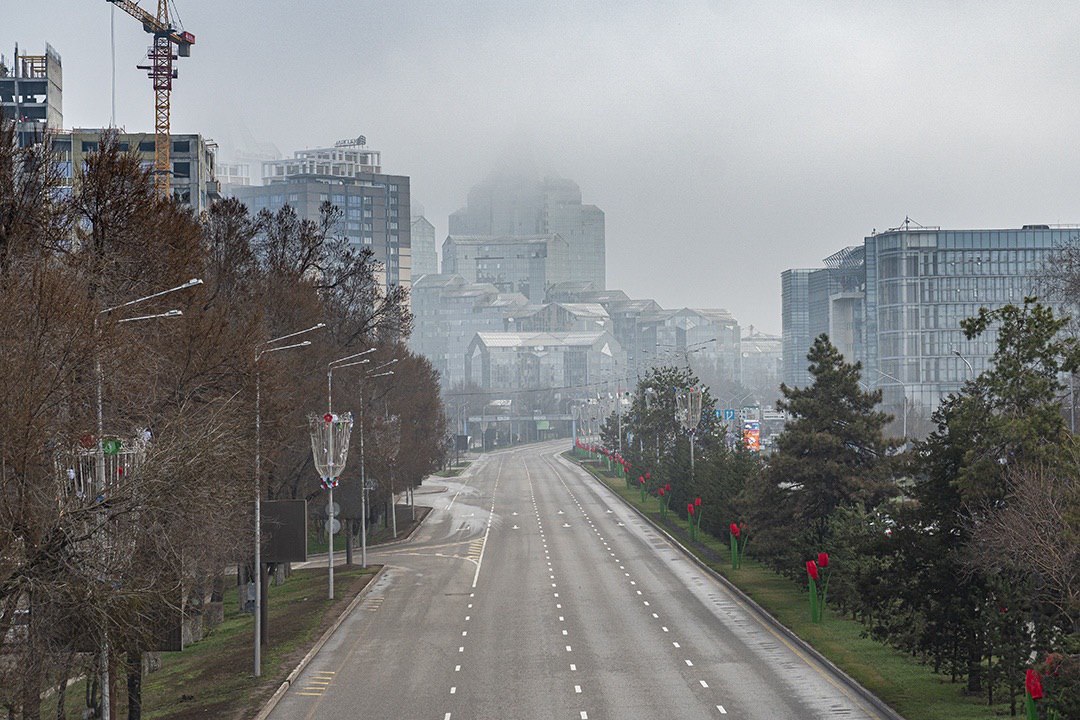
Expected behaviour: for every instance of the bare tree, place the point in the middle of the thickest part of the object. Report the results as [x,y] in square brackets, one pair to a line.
[1035,535]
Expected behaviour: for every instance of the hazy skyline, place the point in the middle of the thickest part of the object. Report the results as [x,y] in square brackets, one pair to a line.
[724,142]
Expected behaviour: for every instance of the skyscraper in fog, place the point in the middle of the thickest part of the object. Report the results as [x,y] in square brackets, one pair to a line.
[425,260]
[508,204]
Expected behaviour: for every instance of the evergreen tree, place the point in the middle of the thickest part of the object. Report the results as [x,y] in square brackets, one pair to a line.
[1005,420]
[832,453]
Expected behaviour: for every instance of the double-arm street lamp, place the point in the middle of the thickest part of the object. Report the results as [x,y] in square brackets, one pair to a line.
[339,364]
[100,464]
[265,348]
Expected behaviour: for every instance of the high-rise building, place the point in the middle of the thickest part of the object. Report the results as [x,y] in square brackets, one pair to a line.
[795,325]
[32,94]
[523,205]
[375,210]
[526,264]
[896,302]
[425,259]
[922,281]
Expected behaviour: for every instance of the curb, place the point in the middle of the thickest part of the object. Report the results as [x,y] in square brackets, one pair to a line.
[763,615]
[302,665]
[388,543]
[407,538]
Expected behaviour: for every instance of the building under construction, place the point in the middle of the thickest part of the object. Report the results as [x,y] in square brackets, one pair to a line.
[32,93]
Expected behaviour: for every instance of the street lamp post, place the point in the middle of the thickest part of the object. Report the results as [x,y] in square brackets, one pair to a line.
[904,391]
[261,349]
[331,366]
[363,476]
[100,469]
[971,370]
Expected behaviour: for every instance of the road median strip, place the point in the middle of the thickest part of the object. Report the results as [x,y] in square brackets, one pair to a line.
[306,660]
[761,614]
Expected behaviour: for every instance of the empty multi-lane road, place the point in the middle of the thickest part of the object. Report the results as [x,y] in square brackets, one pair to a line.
[533,592]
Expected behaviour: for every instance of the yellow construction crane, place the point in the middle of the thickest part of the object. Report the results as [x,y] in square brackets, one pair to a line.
[161,72]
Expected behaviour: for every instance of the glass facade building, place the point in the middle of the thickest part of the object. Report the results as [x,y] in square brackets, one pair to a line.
[895,303]
[921,282]
[795,323]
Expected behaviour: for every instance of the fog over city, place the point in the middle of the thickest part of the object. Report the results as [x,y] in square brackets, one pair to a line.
[724,142]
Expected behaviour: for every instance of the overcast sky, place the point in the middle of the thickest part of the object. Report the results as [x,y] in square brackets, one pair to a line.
[724,141]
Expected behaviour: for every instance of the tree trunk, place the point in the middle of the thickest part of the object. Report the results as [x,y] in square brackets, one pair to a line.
[974,664]
[348,541]
[61,687]
[134,683]
[217,591]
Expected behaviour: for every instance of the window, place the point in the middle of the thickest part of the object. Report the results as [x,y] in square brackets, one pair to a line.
[181,146]
[88,146]
[182,169]
[124,147]
[146,146]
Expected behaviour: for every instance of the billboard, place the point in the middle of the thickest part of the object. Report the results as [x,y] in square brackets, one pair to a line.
[284,525]
[752,435]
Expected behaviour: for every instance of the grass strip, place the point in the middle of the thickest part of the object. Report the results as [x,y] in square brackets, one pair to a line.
[213,677]
[908,686]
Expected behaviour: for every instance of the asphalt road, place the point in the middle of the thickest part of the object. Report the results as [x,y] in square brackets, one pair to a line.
[533,592]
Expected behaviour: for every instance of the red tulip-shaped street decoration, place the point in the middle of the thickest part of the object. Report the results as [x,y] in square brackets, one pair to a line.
[1032,691]
[738,540]
[641,483]
[819,573]
[823,564]
[694,513]
[813,574]
[663,495]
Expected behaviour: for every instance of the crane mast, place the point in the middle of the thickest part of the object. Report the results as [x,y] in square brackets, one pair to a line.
[161,72]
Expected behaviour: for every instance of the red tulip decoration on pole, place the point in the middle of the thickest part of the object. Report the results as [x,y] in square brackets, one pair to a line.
[812,572]
[690,517]
[641,483]
[1032,691]
[695,518]
[664,495]
[739,538]
[823,565]
[818,571]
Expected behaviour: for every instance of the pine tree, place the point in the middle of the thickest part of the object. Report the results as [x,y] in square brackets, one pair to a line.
[832,453]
